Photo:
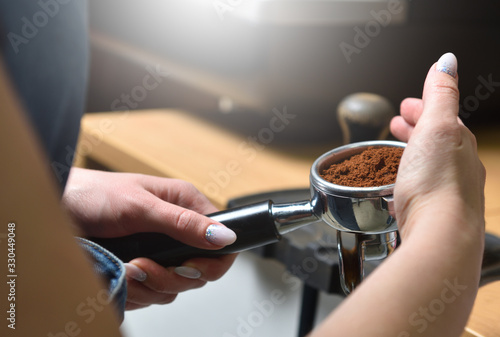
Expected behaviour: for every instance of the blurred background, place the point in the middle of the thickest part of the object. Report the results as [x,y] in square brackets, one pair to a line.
[233,61]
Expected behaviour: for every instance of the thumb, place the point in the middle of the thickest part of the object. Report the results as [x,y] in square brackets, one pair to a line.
[196,230]
[185,225]
[441,95]
[174,208]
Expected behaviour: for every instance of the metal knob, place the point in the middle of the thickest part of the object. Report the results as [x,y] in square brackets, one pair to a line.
[364,116]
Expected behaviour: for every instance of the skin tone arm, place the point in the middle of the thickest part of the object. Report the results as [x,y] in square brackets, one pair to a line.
[428,286]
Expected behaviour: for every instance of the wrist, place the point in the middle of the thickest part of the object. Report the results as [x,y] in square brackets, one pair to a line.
[448,230]
[440,208]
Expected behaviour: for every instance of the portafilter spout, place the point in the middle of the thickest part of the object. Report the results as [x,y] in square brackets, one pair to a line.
[364,211]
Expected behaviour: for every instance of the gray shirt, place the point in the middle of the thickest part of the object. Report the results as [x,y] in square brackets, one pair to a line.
[44,45]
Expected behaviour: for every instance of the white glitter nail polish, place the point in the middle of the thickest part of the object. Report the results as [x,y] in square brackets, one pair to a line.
[220,235]
[447,64]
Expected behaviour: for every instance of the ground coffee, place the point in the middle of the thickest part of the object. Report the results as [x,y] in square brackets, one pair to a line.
[375,166]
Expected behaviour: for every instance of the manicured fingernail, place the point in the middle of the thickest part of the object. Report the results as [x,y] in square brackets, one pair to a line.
[448,64]
[188,272]
[135,272]
[220,235]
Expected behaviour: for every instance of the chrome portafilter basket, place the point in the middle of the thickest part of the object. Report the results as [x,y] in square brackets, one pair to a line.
[365,212]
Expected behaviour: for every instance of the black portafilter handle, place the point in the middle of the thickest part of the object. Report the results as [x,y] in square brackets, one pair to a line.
[254,226]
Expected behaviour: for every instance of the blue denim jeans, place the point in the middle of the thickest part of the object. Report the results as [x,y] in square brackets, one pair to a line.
[111,270]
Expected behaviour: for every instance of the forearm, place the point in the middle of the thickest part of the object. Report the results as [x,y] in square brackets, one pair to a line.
[426,287]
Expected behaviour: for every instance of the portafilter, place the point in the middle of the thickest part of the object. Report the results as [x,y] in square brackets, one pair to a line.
[366,212]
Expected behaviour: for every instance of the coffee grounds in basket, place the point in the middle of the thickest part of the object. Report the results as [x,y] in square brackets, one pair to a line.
[375,166]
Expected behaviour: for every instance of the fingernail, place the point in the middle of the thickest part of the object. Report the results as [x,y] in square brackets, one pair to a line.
[188,272]
[220,235]
[447,64]
[135,272]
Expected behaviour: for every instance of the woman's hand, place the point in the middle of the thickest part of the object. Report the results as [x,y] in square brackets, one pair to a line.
[428,285]
[105,204]
[440,168]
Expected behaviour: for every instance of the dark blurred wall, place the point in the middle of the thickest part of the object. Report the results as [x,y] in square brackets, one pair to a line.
[301,67]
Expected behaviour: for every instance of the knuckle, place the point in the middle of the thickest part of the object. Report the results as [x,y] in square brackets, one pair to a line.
[445,88]
[187,194]
[190,187]
[185,220]
[185,186]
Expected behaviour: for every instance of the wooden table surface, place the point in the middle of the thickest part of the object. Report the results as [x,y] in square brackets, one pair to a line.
[174,144]
[224,165]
